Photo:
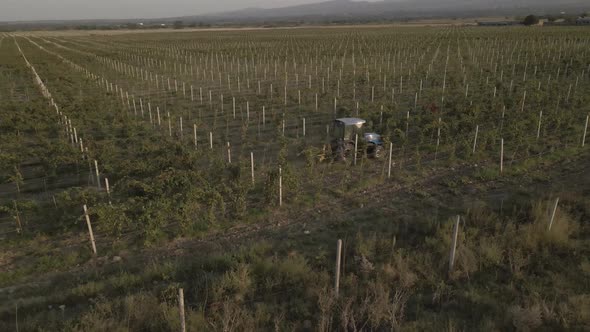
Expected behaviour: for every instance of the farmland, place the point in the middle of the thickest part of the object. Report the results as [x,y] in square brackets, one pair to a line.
[202,162]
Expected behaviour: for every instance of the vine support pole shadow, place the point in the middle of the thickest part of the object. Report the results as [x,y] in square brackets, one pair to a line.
[16,316]
[539,125]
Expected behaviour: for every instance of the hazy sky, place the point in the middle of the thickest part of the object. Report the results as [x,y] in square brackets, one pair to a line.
[22,10]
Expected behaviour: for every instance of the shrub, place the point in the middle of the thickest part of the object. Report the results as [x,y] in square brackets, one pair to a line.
[530,20]
[526,318]
[112,218]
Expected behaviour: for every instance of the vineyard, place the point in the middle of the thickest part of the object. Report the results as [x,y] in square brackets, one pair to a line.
[186,181]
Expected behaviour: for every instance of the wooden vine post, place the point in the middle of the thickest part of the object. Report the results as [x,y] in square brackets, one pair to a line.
[337,272]
[97,173]
[553,214]
[90,229]
[475,138]
[585,131]
[181,310]
[280,186]
[407,123]
[195,134]
[108,188]
[252,166]
[303,127]
[356,140]
[454,245]
[437,139]
[181,128]
[390,157]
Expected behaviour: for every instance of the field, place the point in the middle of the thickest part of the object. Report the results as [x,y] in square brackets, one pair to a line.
[133,166]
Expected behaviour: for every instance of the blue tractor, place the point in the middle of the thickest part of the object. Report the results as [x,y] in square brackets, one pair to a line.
[344,133]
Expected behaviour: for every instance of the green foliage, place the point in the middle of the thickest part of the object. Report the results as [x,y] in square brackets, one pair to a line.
[112,218]
[181,200]
[68,212]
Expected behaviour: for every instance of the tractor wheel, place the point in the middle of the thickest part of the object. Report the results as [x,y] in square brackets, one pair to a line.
[339,153]
[376,152]
[342,150]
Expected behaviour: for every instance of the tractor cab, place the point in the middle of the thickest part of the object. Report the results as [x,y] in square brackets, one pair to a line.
[344,132]
[347,128]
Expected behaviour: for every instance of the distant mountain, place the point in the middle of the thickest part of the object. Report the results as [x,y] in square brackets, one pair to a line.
[392,9]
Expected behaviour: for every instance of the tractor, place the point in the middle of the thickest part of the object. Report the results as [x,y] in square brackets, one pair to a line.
[344,134]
